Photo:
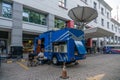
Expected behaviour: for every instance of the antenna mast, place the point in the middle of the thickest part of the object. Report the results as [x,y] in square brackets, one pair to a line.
[117,13]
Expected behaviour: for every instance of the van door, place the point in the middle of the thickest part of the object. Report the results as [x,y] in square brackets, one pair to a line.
[80,47]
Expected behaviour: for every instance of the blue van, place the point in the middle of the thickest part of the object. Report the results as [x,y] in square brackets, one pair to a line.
[65,45]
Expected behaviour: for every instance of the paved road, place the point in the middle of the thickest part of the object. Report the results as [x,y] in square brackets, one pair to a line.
[98,67]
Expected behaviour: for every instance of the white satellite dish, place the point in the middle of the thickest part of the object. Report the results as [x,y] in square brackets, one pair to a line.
[82,15]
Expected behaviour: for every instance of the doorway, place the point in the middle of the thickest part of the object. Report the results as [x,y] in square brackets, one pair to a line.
[3,46]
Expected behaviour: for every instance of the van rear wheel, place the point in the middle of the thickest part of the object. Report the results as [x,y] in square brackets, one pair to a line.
[55,60]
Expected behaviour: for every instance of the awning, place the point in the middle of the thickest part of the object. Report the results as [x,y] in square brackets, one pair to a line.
[80,47]
[97,32]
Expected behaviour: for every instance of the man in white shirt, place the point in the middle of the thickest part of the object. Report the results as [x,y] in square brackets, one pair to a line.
[41,56]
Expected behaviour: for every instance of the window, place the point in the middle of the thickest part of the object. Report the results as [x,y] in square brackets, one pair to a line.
[7,10]
[112,38]
[112,27]
[34,17]
[95,5]
[62,3]
[119,39]
[60,23]
[95,20]
[119,30]
[60,47]
[108,25]
[102,22]
[115,29]
[107,14]
[115,39]
[102,11]
[85,1]
[26,14]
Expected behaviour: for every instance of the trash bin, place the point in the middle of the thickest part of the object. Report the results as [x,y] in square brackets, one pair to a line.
[16,51]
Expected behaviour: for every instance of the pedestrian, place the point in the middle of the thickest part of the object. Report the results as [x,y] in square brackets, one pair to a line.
[32,58]
[40,57]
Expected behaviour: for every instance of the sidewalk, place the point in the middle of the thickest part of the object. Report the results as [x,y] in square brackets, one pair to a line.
[93,66]
[94,54]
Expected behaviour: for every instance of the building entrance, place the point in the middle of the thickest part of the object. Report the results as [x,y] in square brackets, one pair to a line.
[3,42]
[28,42]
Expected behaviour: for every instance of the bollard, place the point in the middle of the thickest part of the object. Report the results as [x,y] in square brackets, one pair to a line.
[64,72]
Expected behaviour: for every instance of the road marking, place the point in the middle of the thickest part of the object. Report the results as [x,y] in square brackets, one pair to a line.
[23,66]
[9,61]
[97,77]
[23,60]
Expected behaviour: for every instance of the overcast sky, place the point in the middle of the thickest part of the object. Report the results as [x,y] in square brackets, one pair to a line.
[114,4]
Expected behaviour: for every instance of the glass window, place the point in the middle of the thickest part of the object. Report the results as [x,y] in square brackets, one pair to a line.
[95,20]
[95,5]
[102,22]
[60,23]
[42,19]
[102,11]
[112,27]
[116,29]
[85,1]
[60,47]
[26,15]
[62,3]
[119,30]
[6,10]
[107,14]
[34,17]
[108,25]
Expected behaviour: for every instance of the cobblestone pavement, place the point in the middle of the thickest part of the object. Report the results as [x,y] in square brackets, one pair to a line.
[107,65]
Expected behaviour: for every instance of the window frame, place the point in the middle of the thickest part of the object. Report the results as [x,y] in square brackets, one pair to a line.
[95,5]
[102,10]
[85,1]
[108,15]
[35,17]
[102,22]
[58,23]
[108,25]
[62,3]
[8,12]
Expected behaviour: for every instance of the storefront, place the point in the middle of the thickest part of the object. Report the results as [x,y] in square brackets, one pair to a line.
[3,42]
[28,42]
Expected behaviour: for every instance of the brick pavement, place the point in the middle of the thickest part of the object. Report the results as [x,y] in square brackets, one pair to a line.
[107,64]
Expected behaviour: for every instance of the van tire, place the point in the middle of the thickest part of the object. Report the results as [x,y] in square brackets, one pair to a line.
[54,60]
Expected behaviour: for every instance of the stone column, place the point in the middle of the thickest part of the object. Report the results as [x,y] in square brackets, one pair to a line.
[114,39]
[98,45]
[50,21]
[98,42]
[117,40]
[105,41]
[0,7]
[9,41]
[16,34]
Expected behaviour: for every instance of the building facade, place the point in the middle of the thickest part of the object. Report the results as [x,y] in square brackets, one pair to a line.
[22,20]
